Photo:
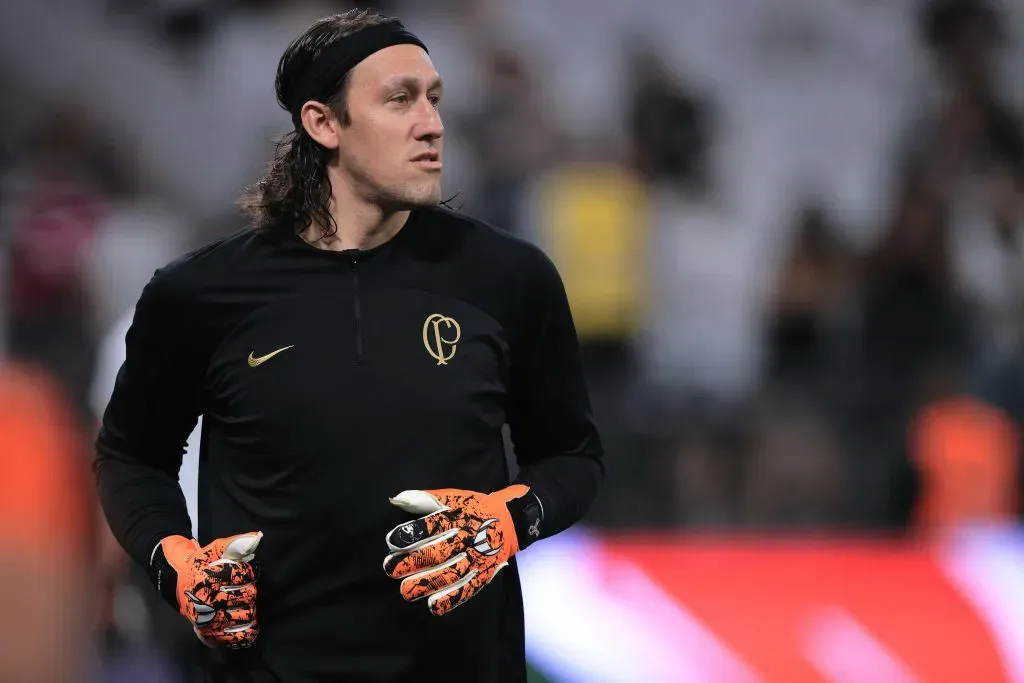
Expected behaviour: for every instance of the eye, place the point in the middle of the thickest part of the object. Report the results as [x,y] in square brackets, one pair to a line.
[401,98]
[435,99]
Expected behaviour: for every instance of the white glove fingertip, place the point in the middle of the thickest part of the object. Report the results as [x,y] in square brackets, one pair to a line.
[243,548]
[417,502]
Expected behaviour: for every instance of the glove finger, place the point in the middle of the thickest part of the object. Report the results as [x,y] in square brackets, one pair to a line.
[216,589]
[239,548]
[418,532]
[212,618]
[423,584]
[419,503]
[444,601]
[239,618]
[233,597]
[209,599]
[230,573]
[242,547]
[226,619]
[198,608]
[239,640]
[236,629]
[442,549]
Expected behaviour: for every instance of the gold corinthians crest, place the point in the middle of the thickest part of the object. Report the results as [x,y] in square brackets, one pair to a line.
[440,336]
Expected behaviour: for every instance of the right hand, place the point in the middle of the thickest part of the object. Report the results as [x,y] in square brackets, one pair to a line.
[214,587]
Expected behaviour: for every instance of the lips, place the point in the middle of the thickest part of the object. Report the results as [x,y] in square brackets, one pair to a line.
[427,156]
[428,161]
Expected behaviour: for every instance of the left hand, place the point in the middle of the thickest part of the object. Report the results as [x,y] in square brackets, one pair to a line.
[457,547]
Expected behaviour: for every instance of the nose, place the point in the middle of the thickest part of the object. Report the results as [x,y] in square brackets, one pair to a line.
[429,127]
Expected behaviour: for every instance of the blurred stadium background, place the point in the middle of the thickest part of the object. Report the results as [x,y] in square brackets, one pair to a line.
[793,236]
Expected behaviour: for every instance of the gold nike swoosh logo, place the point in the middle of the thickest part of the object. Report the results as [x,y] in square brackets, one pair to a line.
[255,362]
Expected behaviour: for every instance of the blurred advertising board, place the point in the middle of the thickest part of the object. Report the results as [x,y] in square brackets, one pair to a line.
[648,608]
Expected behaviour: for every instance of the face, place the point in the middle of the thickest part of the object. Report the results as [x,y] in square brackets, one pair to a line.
[391,148]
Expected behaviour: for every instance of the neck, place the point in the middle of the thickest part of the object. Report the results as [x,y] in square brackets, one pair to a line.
[360,224]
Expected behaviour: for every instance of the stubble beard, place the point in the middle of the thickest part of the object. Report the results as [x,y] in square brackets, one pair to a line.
[397,195]
[409,195]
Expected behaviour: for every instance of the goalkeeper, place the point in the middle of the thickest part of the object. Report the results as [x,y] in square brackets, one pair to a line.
[354,354]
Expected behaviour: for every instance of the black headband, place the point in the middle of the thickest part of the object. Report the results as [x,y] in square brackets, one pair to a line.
[337,60]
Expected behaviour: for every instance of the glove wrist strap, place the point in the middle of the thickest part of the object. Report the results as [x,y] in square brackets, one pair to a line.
[528,518]
[164,577]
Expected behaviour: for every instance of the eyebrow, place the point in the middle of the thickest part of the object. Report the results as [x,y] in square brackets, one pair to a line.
[413,83]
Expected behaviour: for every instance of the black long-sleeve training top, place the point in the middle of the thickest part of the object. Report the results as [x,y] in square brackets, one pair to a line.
[329,381]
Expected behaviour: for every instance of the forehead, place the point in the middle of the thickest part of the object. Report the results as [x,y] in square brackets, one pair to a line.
[392,63]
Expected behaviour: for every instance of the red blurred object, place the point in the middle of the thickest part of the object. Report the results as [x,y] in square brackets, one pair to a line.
[792,610]
[57,224]
[968,454]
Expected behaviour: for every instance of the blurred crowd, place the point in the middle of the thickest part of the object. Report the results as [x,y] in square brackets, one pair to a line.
[791,230]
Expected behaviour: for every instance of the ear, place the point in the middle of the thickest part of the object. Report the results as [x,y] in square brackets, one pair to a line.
[321,124]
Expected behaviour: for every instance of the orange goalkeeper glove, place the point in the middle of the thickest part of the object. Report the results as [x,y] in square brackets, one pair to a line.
[461,542]
[214,587]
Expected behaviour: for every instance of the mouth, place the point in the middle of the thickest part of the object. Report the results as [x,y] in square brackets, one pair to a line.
[428,160]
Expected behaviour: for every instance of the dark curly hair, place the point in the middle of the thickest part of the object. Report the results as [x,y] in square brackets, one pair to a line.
[295,190]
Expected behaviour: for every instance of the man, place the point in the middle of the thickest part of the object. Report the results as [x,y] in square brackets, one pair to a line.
[354,355]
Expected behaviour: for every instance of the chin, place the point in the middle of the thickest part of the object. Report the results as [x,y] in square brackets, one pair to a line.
[427,195]
[410,195]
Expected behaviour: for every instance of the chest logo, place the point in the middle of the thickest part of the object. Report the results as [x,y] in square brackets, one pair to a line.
[256,362]
[441,334]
